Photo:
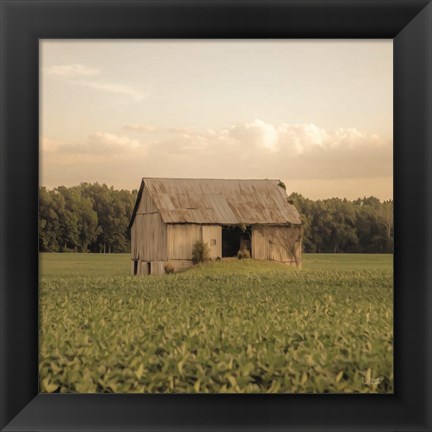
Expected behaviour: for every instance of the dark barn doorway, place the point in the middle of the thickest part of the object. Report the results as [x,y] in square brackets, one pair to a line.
[235,239]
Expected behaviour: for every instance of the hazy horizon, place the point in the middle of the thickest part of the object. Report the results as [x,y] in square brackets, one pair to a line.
[315,114]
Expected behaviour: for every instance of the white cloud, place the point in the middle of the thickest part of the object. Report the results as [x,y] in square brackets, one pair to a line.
[256,133]
[261,149]
[294,140]
[72,71]
[299,139]
[141,128]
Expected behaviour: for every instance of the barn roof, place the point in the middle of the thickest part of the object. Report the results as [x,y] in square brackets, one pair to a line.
[213,201]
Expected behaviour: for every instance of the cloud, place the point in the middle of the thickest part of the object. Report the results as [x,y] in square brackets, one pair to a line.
[105,144]
[48,145]
[137,94]
[301,154]
[256,133]
[78,74]
[267,150]
[99,143]
[182,130]
[294,140]
[302,138]
[141,128]
[71,71]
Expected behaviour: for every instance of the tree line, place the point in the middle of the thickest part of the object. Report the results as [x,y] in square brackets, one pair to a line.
[85,218]
[334,225]
[95,218]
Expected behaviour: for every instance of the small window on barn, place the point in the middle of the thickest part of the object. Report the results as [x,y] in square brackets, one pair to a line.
[213,242]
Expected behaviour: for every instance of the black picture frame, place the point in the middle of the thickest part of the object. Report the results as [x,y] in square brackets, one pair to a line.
[24,22]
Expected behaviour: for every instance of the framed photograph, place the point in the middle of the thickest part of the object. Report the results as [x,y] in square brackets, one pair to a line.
[285,228]
[216,216]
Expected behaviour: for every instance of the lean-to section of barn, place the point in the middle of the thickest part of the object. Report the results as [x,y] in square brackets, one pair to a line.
[277,243]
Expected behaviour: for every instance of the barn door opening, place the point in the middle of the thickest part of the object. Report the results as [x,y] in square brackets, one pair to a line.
[135,267]
[234,239]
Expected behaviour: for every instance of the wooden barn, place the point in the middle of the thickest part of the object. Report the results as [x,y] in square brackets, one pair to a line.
[170,215]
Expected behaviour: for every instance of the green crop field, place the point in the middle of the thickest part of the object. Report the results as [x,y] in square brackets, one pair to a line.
[230,326]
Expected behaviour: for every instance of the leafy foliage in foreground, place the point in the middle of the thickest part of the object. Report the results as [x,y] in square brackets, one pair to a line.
[215,330]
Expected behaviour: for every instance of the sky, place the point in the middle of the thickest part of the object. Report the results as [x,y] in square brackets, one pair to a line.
[316,114]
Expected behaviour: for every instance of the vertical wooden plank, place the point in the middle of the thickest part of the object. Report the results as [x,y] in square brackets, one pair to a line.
[143,268]
[151,237]
[157,267]
[134,250]
[180,240]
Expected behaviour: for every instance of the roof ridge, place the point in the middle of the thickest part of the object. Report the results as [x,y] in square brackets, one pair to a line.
[206,178]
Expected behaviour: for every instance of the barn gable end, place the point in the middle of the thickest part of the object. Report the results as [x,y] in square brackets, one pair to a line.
[148,237]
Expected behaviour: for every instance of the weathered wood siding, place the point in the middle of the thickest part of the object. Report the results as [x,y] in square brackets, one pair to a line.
[277,243]
[148,233]
[157,267]
[181,238]
[146,204]
[149,238]
[134,242]
[212,235]
[143,268]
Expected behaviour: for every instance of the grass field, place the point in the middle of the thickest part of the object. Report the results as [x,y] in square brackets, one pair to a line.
[231,326]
